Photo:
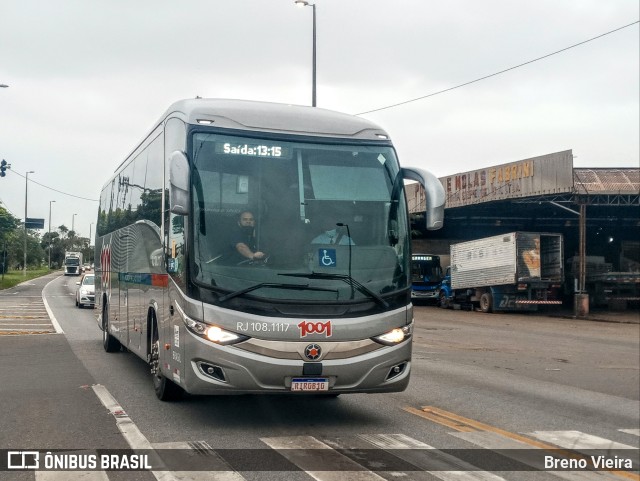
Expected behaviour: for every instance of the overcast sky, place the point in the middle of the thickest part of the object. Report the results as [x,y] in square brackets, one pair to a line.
[88,78]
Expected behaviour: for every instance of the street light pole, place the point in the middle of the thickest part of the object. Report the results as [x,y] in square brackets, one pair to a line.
[73,221]
[4,258]
[26,190]
[50,202]
[304,3]
[90,230]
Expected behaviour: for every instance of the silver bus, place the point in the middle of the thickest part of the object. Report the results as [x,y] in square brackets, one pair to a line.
[321,300]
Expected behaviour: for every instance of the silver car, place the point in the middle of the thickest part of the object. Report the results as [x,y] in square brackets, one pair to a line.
[86,291]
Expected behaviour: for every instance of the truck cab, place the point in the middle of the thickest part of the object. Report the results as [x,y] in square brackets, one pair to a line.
[445,293]
[72,264]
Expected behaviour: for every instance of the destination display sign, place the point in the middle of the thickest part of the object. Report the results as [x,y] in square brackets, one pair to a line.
[253,150]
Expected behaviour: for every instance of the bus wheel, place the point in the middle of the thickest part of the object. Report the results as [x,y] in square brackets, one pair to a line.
[110,343]
[165,389]
[486,302]
[444,303]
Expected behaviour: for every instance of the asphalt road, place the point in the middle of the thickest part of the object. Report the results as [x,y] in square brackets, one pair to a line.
[484,382]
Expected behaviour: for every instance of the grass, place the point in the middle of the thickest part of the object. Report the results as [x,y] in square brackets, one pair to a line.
[12,278]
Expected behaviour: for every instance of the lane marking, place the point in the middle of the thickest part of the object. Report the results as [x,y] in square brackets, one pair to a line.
[32,324]
[27,310]
[450,468]
[463,424]
[435,417]
[130,431]
[71,476]
[308,451]
[23,309]
[518,452]
[202,448]
[52,317]
[577,440]
[394,441]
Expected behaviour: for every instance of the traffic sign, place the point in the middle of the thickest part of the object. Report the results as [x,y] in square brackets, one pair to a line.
[33,223]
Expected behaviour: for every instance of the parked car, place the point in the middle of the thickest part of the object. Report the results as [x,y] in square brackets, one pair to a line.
[86,291]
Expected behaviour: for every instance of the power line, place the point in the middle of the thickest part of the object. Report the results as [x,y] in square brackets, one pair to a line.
[7,208]
[497,73]
[55,190]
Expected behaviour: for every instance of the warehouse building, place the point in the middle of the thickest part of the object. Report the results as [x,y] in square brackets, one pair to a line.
[548,194]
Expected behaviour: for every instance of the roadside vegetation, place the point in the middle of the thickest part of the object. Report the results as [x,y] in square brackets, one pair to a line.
[43,249]
[13,278]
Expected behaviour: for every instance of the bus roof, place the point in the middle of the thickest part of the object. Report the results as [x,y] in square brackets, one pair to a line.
[276,118]
[269,117]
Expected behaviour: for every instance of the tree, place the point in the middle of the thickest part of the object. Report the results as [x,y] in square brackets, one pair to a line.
[62,241]
[35,253]
[8,226]
[53,241]
[8,223]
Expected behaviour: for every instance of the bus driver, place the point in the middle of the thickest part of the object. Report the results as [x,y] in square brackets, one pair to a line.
[244,240]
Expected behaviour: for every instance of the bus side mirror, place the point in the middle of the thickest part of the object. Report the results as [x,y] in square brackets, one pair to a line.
[179,183]
[434,193]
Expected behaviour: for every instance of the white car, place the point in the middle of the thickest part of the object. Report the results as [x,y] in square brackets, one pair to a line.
[86,291]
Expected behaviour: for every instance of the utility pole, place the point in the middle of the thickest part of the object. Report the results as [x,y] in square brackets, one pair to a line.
[90,230]
[50,202]
[26,190]
[305,3]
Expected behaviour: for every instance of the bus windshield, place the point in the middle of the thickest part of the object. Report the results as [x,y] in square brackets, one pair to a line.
[330,219]
[425,269]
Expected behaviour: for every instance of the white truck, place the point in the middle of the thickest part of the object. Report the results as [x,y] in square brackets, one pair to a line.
[72,263]
[508,272]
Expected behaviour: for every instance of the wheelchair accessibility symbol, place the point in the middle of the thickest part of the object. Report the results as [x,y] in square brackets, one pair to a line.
[327,257]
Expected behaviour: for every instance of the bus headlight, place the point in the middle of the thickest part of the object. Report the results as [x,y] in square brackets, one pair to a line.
[213,333]
[395,336]
[220,336]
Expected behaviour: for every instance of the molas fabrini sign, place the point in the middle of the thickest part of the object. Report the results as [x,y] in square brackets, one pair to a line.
[547,174]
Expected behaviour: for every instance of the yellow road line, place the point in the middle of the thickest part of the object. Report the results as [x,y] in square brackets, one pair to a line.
[438,419]
[463,424]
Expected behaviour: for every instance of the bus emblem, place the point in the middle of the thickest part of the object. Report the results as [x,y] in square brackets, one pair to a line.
[307,327]
[312,352]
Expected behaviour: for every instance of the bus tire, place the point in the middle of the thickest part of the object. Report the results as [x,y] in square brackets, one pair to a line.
[165,389]
[443,301]
[109,343]
[486,302]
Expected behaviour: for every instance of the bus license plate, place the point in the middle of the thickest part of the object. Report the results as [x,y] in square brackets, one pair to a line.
[308,384]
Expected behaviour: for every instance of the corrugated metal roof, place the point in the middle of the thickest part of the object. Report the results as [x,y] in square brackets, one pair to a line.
[606,181]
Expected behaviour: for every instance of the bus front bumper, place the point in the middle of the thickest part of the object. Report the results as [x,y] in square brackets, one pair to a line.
[236,370]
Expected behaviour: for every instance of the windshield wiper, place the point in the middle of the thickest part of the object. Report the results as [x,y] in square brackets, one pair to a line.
[341,277]
[295,287]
